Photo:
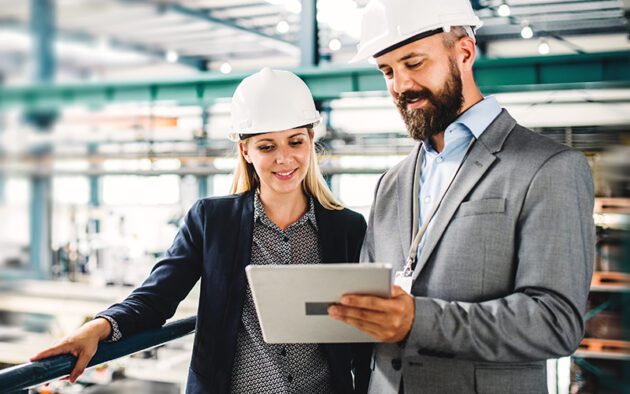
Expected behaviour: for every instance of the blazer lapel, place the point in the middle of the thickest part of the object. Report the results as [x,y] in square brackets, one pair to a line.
[246,232]
[327,236]
[477,163]
[404,189]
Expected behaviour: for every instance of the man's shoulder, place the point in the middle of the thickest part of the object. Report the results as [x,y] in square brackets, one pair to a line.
[526,142]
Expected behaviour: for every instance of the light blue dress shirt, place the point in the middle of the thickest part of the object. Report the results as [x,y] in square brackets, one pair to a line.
[439,168]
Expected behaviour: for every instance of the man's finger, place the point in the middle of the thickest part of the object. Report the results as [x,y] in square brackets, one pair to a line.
[371,329]
[366,315]
[365,302]
[397,291]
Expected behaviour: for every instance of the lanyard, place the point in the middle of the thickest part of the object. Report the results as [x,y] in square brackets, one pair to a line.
[413,250]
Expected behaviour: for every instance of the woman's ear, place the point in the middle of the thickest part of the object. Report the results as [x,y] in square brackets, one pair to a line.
[311,134]
[242,146]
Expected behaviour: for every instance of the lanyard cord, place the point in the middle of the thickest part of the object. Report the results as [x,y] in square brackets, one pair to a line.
[413,250]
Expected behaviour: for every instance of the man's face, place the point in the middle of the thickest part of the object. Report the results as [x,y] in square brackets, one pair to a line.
[425,83]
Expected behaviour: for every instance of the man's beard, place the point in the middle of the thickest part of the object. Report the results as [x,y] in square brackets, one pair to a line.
[440,110]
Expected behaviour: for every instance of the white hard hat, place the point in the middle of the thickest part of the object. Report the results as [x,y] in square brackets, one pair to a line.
[271,100]
[390,24]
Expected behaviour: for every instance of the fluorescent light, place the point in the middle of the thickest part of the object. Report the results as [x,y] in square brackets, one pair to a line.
[543,47]
[294,6]
[172,56]
[226,68]
[282,26]
[334,44]
[504,10]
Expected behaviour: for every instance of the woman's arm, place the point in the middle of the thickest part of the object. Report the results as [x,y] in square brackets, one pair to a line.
[82,344]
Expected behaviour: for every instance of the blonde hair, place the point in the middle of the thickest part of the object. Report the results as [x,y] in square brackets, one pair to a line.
[246,179]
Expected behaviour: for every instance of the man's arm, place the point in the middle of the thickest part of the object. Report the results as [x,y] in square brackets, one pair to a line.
[542,318]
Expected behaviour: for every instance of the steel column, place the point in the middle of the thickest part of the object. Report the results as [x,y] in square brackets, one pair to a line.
[309,34]
[41,214]
[42,29]
[202,182]
[95,193]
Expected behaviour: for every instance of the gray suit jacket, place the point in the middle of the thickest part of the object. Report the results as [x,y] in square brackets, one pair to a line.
[502,281]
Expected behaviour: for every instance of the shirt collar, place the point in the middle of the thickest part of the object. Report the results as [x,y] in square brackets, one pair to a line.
[261,215]
[475,120]
[478,117]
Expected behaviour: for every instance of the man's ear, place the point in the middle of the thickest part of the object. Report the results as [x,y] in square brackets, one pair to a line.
[242,146]
[466,51]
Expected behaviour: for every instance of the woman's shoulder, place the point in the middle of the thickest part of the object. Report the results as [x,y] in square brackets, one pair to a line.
[221,205]
[351,215]
[221,201]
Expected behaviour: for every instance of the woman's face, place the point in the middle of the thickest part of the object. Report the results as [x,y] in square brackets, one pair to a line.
[280,159]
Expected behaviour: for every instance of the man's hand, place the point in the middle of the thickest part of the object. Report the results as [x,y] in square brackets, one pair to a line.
[387,320]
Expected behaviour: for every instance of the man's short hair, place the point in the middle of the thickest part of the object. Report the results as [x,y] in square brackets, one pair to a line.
[457,32]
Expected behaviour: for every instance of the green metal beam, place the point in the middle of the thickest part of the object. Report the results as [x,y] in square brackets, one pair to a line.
[584,71]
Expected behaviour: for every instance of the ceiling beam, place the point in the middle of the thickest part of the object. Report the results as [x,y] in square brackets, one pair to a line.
[587,71]
[278,43]
[88,38]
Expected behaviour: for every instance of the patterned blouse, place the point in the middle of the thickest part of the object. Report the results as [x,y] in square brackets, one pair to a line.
[260,367]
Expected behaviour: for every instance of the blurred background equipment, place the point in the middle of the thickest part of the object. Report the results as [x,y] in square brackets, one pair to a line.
[114,117]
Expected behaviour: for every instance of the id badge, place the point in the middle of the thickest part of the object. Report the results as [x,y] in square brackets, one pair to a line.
[403,281]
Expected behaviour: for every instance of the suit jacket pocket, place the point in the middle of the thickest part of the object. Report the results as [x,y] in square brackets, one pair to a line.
[524,379]
[481,207]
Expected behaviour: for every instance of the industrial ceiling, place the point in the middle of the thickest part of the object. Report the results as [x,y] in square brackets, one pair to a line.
[117,39]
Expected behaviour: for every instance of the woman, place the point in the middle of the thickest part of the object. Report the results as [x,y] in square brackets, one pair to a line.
[281,212]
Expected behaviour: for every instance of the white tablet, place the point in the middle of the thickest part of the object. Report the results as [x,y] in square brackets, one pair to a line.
[292,300]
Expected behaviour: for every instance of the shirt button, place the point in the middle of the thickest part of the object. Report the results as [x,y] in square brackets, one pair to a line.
[290,378]
[285,239]
[427,199]
[283,352]
[396,364]
[439,159]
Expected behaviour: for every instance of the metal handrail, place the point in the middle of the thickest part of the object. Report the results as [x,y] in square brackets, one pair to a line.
[21,377]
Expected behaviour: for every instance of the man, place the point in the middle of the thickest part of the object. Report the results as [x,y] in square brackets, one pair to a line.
[491,222]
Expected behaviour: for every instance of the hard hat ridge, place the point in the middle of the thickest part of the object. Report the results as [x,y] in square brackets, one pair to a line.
[271,100]
[390,24]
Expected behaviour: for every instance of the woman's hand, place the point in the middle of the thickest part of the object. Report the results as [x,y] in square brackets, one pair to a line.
[82,344]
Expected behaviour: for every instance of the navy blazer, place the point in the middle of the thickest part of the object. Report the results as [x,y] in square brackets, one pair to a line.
[214,244]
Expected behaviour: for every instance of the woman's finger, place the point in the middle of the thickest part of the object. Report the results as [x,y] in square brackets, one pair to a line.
[82,361]
[56,350]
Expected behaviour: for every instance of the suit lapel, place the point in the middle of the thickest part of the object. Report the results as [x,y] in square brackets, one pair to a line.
[404,189]
[477,163]
[243,250]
